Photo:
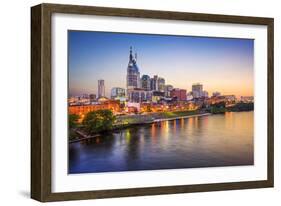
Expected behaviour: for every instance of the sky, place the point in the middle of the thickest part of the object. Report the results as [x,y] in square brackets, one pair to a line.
[225,65]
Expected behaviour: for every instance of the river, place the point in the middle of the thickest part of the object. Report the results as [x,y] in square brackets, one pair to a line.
[207,141]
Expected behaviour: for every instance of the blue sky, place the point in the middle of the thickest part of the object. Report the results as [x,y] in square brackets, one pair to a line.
[220,64]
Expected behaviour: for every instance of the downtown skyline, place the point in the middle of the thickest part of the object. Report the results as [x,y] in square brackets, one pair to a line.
[224,65]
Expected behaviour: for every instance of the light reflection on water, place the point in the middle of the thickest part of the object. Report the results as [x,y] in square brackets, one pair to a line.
[216,140]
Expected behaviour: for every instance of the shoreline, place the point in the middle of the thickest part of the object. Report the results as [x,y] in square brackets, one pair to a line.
[124,126]
[181,117]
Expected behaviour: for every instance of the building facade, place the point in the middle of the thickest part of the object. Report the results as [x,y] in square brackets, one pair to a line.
[145,82]
[82,110]
[161,84]
[154,83]
[101,88]
[179,94]
[197,90]
[139,95]
[133,74]
[168,89]
[117,92]
[92,97]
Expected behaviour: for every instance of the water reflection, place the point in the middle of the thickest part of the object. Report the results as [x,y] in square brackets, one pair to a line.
[216,140]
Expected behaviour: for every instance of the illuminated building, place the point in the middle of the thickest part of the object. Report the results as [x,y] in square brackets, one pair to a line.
[230,98]
[92,97]
[161,84]
[139,95]
[104,103]
[197,90]
[145,82]
[101,88]
[153,83]
[117,92]
[168,89]
[157,96]
[247,99]
[133,74]
[179,94]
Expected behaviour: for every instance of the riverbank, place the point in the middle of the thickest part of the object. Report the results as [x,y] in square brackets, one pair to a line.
[155,117]
[127,121]
[172,145]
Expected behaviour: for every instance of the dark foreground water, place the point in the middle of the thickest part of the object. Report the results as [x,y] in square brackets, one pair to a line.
[207,141]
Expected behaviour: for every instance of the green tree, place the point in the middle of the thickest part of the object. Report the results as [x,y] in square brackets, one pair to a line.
[98,121]
[73,120]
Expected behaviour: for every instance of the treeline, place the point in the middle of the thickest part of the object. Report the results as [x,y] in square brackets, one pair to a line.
[241,107]
[93,123]
[220,108]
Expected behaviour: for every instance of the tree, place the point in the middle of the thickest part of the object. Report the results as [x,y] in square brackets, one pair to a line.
[72,124]
[73,120]
[98,121]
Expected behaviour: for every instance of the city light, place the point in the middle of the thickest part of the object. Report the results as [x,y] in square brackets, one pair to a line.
[145,94]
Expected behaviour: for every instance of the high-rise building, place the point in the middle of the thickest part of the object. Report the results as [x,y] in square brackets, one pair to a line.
[161,84]
[139,95]
[168,89]
[154,83]
[179,94]
[197,90]
[133,74]
[117,92]
[101,88]
[145,82]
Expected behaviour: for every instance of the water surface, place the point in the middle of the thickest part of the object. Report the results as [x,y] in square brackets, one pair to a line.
[207,141]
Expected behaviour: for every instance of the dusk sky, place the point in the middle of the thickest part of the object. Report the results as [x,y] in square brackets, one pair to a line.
[220,64]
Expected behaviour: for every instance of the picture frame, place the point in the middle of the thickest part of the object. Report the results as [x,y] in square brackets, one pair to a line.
[41,101]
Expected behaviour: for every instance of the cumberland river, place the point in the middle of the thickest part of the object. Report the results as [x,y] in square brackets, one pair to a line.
[214,140]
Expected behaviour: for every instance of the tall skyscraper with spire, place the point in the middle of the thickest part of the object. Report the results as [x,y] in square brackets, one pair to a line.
[133,74]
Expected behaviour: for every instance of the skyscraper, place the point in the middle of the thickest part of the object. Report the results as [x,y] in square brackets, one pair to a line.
[168,89]
[161,84]
[101,88]
[133,74]
[154,83]
[197,90]
[145,82]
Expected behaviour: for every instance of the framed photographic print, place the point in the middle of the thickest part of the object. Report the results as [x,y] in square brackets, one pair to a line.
[132,102]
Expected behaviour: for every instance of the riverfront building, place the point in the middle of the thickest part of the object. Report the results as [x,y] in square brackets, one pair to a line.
[103,103]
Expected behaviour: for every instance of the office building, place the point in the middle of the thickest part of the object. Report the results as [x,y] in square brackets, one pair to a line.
[101,88]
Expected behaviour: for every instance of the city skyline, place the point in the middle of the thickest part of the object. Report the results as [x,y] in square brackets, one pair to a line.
[224,65]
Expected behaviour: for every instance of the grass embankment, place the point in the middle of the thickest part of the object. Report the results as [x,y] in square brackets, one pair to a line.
[126,120]
[130,121]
